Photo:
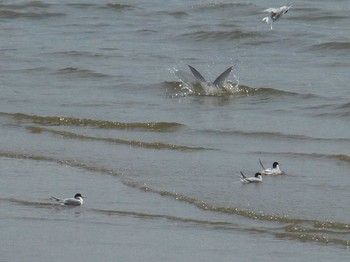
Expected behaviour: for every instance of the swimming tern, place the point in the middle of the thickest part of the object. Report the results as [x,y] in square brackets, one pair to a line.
[275,170]
[255,179]
[76,201]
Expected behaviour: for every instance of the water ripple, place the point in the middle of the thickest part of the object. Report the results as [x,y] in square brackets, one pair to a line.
[103,124]
[148,145]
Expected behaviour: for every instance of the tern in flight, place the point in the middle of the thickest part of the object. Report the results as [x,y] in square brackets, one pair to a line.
[275,14]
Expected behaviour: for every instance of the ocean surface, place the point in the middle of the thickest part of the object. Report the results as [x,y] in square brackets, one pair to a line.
[97,98]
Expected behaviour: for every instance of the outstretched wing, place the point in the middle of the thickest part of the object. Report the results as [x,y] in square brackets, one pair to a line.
[184,77]
[285,9]
[222,78]
[271,10]
[243,174]
[196,74]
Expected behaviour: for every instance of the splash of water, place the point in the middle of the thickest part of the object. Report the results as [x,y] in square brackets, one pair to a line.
[191,86]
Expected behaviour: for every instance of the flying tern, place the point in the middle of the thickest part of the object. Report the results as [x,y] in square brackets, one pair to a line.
[275,14]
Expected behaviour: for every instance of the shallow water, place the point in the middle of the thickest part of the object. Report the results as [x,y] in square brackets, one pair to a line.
[91,103]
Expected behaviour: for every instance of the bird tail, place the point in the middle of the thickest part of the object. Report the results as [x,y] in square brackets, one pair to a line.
[261,164]
[55,198]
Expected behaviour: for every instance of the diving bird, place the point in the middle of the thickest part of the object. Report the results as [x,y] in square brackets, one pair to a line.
[76,201]
[275,170]
[255,179]
[275,14]
[218,83]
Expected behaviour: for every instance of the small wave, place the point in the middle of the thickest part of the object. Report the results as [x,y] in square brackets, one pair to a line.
[320,238]
[260,134]
[338,157]
[76,54]
[36,4]
[109,6]
[27,203]
[143,215]
[178,14]
[273,135]
[209,207]
[35,15]
[345,106]
[331,46]
[295,228]
[203,35]
[331,225]
[219,6]
[339,112]
[341,157]
[148,145]
[103,124]
[328,109]
[317,15]
[334,114]
[80,72]
[117,6]
[66,162]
